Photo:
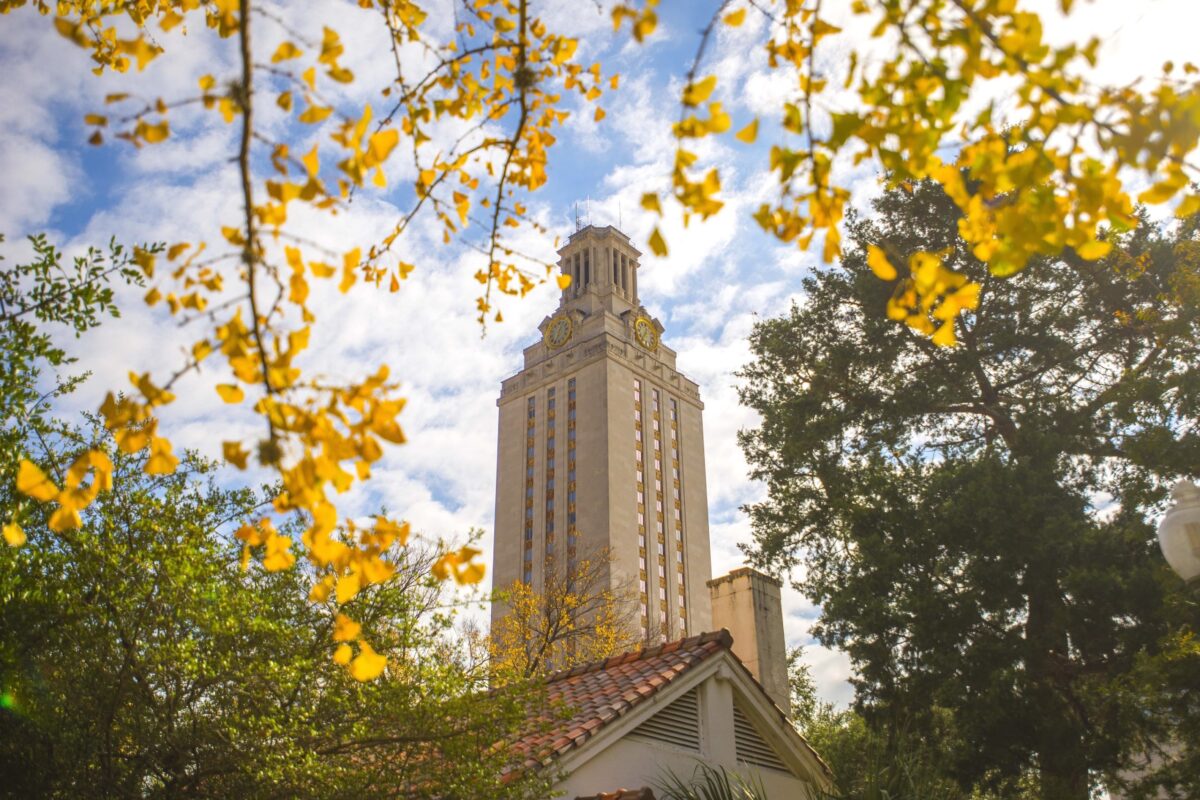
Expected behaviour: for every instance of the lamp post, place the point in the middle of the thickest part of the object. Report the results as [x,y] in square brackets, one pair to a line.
[1179,532]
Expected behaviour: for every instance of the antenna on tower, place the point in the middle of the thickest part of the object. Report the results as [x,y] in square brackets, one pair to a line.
[577,216]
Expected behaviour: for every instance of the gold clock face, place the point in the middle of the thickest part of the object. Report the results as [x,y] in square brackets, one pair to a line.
[559,332]
[645,332]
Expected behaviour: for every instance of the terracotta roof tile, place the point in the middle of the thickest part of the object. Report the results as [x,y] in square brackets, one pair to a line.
[597,693]
[621,794]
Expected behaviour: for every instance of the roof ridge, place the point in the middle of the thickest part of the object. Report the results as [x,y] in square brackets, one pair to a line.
[722,637]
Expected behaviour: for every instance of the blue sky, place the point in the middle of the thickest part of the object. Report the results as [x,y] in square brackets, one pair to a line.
[718,277]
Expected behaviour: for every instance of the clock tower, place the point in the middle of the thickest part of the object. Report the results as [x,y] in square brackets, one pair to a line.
[601,447]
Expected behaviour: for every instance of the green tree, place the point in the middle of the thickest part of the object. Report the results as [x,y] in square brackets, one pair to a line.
[36,296]
[138,659]
[975,521]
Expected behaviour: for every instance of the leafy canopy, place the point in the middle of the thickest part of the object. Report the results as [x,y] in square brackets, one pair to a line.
[976,522]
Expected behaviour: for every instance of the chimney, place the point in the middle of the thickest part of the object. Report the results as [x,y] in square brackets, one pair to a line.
[747,603]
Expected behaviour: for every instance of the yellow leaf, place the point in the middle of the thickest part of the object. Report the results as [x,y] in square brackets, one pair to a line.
[599,115]
[382,144]
[230,393]
[735,18]
[279,554]
[162,461]
[311,162]
[944,335]
[321,590]
[64,519]
[95,119]
[748,134]
[348,587]
[369,665]
[657,244]
[563,281]
[1162,192]
[343,654]
[285,51]
[314,114]
[13,535]
[95,461]
[345,629]
[1094,250]
[32,482]
[234,454]
[650,203]
[310,77]
[152,133]
[1188,206]
[696,93]
[207,82]
[877,260]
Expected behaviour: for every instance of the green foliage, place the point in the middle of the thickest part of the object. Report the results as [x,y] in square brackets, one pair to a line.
[37,297]
[142,661]
[710,783]
[139,659]
[976,522]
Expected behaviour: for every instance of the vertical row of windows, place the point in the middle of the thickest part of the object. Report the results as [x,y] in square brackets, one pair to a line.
[678,517]
[659,518]
[572,540]
[641,505]
[550,428]
[527,553]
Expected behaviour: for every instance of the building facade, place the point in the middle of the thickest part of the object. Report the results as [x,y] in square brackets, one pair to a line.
[601,449]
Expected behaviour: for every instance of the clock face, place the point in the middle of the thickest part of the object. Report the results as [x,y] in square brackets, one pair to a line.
[645,332]
[559,332]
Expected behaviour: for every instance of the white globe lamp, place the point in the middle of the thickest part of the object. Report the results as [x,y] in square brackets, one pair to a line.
[1179,531]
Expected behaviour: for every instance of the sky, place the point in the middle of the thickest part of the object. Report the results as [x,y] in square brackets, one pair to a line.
[719,277]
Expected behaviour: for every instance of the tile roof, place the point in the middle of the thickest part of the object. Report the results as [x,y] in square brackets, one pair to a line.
[597,693]
[622,794]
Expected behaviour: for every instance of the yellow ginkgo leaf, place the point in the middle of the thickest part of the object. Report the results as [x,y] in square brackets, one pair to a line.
[734,18]
[65,519]
[657,244]
[235,454]
[285,51]
[348,586]
[650,203]
[877,260]
[369,665]
[345,629]
[162,461]
[32,482]
[279,553]
[748,134]
[696,93]
[231,393]
[1094,250]
[343,654]
[314,114]
[13,535]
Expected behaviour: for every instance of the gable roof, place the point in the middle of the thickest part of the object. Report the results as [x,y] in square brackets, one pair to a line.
[602,691]
[599,693]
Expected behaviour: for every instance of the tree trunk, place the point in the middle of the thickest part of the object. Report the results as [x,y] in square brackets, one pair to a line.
[1059,733]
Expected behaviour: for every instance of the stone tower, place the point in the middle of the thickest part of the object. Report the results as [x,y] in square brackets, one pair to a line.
[601,447]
